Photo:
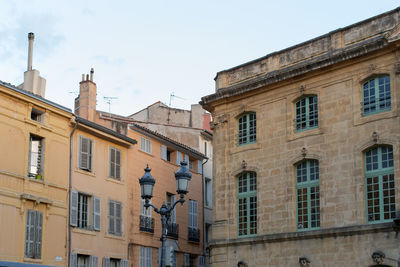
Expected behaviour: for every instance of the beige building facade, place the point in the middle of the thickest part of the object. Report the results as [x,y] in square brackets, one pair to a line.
[306,152]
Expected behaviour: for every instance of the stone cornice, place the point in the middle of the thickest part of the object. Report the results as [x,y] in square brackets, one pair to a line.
[302,235]
[329,59]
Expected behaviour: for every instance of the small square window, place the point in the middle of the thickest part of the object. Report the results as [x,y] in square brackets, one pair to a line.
[37,115]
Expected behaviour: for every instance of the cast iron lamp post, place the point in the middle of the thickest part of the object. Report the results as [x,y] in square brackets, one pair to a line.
[147,182]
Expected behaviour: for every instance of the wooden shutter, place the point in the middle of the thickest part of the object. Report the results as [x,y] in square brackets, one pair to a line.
[124,263]
[38,234]
[118,164]
[142,257]
[178,158]
[112,162]
[148,257]
[200,261]
[106,262]
[199,167]
[190,213]
[93,261]
[111,212]
[73,260]
[186,159]
[118,218]
[163,152]
[83,153]
[96,203]
[194,210]
[29,233]
[73,210]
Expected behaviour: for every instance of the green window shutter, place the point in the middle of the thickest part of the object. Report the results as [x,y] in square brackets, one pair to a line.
[96,213]
[73,211]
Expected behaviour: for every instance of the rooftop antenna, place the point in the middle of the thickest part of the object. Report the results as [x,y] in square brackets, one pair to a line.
[108,100]
[172,95]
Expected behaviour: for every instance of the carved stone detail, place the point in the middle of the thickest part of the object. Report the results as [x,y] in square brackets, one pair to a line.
[375,137]
[304,152]
[378,257]
[244,164]
[304,262]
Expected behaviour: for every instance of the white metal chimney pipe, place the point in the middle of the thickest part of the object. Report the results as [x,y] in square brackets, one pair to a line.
[31,36]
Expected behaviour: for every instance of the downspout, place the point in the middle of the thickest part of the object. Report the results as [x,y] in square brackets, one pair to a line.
[69,192]
[202,189]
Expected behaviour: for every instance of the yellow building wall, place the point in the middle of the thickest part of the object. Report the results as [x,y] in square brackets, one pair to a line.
[18,192]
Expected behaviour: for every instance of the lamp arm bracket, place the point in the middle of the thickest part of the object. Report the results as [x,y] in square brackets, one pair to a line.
[181,200]
[146,205]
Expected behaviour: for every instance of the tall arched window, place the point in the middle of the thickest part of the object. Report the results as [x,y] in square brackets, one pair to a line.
[306,116]
[307,194]
[247,126]
[379,183]
[376,95]
[247,204]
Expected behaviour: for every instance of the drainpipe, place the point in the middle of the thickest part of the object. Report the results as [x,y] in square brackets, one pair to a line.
[202,189]
[69,192]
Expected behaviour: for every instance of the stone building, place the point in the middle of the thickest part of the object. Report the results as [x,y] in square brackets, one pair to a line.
[306,152]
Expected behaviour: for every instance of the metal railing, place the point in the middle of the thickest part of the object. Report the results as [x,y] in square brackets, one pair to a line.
[194,234]
[173,230]
[146,224]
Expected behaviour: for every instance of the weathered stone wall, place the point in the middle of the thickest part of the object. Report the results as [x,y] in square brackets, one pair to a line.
[338,143]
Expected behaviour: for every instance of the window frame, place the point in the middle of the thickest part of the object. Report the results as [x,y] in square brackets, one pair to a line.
[307,112]
[376,96]
[40,157]
[380,172]
[247,195]
[115,167]
[250,134]
[308,185]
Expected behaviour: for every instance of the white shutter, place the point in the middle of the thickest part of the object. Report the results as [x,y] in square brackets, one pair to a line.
[96,213]
[190,213]
[73,260]
[118,218]
[195,224]
[186,159]
[142,257]
[93,261]
[149,257]
[38,234]
[112,163]
[173,213]
[106,262]
[125,263]
[187,259]
[200,261]
[73,210]
[199,167]
[178,158]
[84,153]
[163,152]
[111,214]
[118,164]
[29,233]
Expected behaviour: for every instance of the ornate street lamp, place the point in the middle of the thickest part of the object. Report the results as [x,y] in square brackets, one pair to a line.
[147,182]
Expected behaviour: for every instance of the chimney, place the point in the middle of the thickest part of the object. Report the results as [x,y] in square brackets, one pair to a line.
[85,103]
[32,81]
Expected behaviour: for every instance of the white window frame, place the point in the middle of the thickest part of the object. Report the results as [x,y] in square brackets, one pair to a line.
[115,166]
[145,145]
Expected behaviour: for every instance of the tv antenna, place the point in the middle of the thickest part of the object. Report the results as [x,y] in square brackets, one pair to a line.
[172,95]
[109,100]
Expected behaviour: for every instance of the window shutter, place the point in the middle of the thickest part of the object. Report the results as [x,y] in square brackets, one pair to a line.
[163,152]
[73,260]
[173,213]
[187,259]
[38,234]
[142,257]
[93,261]
[118,219]
[149,257]
[199,167]
[186,159]
[201,261]
[29,234]
[73,211]
[83,153]
[112,162]
[111,226]
[118,164]
[195,225]
[124,263]
[178,158]
[106,262]
[190,213]
[96,213]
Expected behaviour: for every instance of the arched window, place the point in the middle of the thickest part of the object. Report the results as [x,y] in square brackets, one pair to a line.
[247,204]
[376,95]
[307,194]
[247,126]
[379,182]
[306,116]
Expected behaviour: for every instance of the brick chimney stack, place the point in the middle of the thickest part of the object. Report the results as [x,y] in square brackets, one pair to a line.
[85,103]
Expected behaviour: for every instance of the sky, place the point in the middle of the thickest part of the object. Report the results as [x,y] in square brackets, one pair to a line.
[145,51]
